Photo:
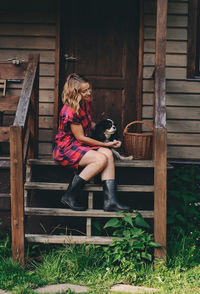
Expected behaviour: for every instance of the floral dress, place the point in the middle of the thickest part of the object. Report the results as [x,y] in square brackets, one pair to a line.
[68,151]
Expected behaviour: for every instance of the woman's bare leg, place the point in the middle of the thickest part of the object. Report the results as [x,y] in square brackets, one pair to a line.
[108,172]
[94,162]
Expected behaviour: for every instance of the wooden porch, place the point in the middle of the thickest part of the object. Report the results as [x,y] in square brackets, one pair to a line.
[23,137]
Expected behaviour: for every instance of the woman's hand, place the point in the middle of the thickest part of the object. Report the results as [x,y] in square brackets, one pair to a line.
[114,144]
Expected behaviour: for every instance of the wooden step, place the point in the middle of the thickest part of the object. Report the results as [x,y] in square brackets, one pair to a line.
[86,213]
[88,187]
[4,162]
[118,163]
[56,239]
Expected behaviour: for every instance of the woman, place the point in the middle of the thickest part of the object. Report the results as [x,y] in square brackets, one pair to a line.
[74,147]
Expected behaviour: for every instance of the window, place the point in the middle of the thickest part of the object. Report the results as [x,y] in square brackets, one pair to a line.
[193,65]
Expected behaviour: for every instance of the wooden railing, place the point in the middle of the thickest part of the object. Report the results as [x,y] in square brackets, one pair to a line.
[23,145]
[160,132]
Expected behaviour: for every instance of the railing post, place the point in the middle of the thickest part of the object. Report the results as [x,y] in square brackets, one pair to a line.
[34,117]
[160,133]
[17,193]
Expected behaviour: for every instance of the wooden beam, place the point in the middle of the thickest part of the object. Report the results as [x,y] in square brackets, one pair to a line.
[86,213]
[34,116]
[17,193]
[56,239]
[160,141]
[57,69]
[24,102]
[140,63]
[160,191]
[27,140]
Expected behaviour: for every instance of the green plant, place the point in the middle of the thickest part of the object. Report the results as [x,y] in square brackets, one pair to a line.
[133,248]
[183,198]
[5,244]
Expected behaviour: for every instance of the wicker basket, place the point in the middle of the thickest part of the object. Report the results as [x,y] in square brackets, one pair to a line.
[138,144]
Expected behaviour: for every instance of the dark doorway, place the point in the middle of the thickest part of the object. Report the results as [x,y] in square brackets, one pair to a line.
[99,39]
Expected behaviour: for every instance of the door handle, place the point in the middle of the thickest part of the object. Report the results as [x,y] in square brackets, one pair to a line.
[70,58]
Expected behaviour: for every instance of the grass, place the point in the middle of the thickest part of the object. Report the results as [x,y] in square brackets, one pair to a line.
[84,265]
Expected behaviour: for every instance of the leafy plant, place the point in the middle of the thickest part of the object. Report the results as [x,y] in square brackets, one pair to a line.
[183,198]
[133,248]
[5,244]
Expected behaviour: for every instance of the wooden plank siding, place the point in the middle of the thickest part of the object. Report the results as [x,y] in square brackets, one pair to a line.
[183,96]
[22,33]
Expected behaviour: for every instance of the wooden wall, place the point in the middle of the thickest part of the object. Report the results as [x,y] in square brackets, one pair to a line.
[30,27]
[183,95]
[25,29]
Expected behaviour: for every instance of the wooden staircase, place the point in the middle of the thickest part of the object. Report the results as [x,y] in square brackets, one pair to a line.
[4,193]
[37,184]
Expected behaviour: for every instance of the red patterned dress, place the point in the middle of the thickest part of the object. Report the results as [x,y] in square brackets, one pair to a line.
[68,151]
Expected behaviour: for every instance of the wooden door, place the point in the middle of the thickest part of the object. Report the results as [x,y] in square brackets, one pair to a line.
[100,39]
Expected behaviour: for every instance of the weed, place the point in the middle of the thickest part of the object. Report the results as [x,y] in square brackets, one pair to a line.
[133,249]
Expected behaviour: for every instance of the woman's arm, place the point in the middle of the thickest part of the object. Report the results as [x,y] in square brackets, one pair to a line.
[78,133]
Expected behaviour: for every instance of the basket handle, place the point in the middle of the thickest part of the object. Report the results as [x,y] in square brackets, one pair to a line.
[137,122]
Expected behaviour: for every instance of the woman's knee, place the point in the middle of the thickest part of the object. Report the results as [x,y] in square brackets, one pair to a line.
[101,160]
[107,152]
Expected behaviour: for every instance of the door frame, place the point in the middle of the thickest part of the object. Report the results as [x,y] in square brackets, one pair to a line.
[139,82]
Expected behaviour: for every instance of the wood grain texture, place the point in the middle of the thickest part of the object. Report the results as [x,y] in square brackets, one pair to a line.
[56,239]
[171,73]
[160,193]
[140,62]
[178,99]
[17,193]
[172,20]
[184,87]
[160,133]
[9,103]
[46,55]
[182,152]
[57,68]
[191,113]
[24,102]
[181,126]
[172,34]
[88,187]
[87,213]
[183,139]
[27,42]
[27,17]
[118,163]
[33,30]
[172,46]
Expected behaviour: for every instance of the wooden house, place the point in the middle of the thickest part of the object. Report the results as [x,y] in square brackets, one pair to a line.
[142,58]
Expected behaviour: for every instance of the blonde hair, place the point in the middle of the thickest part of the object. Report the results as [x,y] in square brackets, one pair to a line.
[71,91]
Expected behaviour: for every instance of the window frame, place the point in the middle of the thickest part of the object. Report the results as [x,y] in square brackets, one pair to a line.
[193,50]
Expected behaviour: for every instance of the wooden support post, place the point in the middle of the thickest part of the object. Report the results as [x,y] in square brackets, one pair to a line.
[140,65]
[160,133]
[34,111]
[17,193]
[89,219]
[57,69]
[160,191]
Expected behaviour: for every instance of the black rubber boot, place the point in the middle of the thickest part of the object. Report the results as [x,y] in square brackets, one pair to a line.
[110,201]
[74,189]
